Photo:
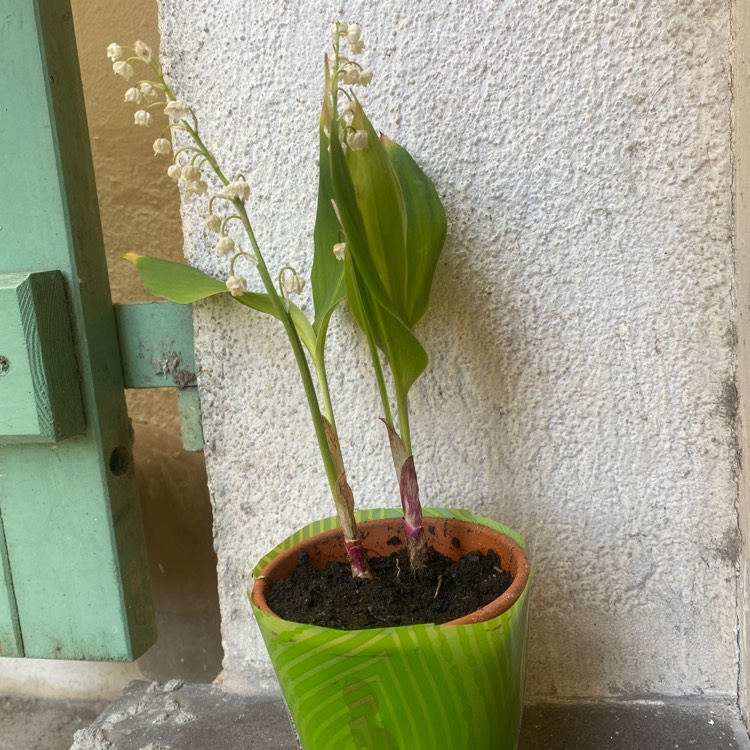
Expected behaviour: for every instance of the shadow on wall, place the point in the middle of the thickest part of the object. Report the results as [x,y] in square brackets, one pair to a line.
[179,539]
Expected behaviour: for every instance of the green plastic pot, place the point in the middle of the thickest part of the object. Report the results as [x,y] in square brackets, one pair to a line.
[418,687]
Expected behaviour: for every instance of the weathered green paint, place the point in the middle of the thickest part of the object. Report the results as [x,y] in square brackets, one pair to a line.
[191,423]
[157,351]
[156,344]
[70,510]
[10,632]
[40,400]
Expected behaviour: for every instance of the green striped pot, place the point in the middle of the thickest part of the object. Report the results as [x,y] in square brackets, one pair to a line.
[417,687]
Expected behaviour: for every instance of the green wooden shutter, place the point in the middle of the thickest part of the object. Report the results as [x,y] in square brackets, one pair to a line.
[73,572]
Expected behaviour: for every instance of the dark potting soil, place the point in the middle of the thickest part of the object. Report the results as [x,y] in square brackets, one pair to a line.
[332,598]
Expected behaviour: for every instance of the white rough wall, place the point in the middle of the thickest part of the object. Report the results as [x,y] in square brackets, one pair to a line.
[580,333]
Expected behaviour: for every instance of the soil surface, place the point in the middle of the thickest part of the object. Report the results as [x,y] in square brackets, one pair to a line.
[445,591]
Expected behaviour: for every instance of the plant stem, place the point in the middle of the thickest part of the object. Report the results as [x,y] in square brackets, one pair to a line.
[380,379]
[402,405]
[320,371]
[344,506]
[344,512]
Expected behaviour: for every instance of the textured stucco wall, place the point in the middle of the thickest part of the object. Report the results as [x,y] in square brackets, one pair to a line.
[581,385]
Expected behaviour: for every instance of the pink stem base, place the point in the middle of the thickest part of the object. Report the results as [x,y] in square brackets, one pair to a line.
[358,558]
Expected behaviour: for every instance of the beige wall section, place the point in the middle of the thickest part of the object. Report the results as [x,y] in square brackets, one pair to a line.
[139,203]
[742,280]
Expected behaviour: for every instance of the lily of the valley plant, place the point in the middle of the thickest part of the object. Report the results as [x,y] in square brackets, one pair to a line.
[379,231]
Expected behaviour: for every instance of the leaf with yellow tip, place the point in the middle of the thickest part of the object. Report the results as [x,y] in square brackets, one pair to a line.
[185,284]
[175,281]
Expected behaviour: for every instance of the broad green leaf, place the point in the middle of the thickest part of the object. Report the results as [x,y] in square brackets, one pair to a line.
[175,281]
[182,283]
[351,220]
[327,275]
[381,204]
[426,227]
[406,356]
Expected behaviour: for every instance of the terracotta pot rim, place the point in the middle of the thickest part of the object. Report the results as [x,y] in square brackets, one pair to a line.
[513,549]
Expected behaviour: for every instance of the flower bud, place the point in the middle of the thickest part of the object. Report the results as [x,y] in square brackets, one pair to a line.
[141,117]
[190,173]
[197,187]
[357,140]
[124,69]
[143,51]
[162,147]
[237,285]
[133,95]
[338,28]
[224,246]
[237,188]
[213,223]
[292,283]
[114,52]
[177,110]
[354,33]
[149,91]
[350,75]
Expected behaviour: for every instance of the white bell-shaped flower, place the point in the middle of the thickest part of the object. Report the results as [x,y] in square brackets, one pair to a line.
[237,285]
[124,69]
[114,52]
[143,118]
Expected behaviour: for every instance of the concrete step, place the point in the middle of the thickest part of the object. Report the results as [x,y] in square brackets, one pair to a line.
[28,723]
[176,716]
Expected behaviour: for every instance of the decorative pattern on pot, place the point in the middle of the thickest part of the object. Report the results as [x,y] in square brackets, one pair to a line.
[416,687]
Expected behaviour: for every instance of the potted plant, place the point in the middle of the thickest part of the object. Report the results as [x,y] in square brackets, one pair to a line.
[424,671]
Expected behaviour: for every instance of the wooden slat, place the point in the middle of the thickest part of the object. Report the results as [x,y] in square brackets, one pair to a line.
[156,344]
[10,632]
[157,351]
[40,399]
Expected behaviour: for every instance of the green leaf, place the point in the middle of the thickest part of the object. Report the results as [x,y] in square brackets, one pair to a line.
[406,355]
[182,283]
[305,331]
[256,301]
[426,227]
[352,221]
[381,205]
[327,275]
[262,303]
[395,226]
[175,281]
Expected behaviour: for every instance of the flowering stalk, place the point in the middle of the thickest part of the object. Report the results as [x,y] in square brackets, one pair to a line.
[277,303]
[379,231]
[394,228]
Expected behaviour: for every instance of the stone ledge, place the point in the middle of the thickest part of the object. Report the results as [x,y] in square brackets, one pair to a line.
[34,723]
[179,716]
[176,716]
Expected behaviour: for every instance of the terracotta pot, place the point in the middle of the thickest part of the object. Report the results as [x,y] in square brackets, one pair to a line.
[449,687]
[450,536]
